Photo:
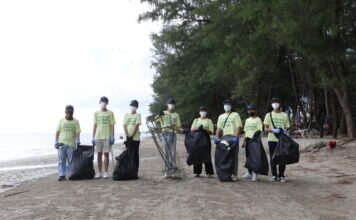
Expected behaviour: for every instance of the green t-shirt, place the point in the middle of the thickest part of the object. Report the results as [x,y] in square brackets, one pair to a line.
[252,125]
[104,121]
[68,131]
[231,125]
[170,122]
[206,122]
[280,120]
[131,120]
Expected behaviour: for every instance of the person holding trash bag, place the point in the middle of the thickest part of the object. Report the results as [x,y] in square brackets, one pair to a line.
[276,122]
[66,140]
[200,124]
[170,123]
[230,123]
[103,135]
[252,125]
[132,122]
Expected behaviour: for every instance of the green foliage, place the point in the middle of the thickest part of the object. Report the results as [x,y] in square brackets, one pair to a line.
[248,51]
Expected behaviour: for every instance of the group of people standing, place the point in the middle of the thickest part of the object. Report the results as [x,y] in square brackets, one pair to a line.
[68,136]
[229,123]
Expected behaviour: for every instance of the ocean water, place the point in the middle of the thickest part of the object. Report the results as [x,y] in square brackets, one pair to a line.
[20,146]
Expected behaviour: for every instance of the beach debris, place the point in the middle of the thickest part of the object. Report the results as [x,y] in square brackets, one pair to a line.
[315,147]
[6,186]
[16,193]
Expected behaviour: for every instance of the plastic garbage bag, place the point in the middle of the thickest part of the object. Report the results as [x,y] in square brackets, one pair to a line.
[225,158]
[198,145]
[125,168]
[81,165]
[257,159]
[287,151]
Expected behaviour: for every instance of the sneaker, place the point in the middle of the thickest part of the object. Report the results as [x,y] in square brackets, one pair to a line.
[165,176]
[61,178]
[98,176]
[247,176]
[106,175]
[282,179]
[273,179]
[254,177]
[196,175]
[235,178]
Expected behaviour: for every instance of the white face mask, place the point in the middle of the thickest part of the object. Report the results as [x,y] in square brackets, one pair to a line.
[170,106]
[227,108]
[275,106]
[133,108]
[103,104]
[202,114]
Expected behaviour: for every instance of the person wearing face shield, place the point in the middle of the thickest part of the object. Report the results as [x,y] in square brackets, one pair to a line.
[67,138]
[103,136]
[229,123]
[199,124]
[252,125]
[276,122]
[132,122]
[171,125]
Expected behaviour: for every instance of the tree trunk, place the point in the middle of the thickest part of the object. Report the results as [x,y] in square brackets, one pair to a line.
[343,97]
[333,106]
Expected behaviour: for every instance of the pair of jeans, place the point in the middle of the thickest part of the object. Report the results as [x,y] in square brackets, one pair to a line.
[135,149]
[282,167]
[169,141]
[65,155]
[209,170]
[236,159]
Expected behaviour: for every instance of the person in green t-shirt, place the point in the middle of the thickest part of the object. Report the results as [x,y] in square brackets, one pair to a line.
[67,138]
[252,125]
[171,125]
[281,122]
[132,122]
[199,124]
[229,123]
[103,135]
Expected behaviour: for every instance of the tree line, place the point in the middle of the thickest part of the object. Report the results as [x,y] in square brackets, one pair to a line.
[302,51]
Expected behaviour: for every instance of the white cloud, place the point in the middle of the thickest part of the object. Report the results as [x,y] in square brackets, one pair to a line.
[54,53]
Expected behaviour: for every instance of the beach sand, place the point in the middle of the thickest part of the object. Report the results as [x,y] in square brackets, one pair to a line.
[321,186]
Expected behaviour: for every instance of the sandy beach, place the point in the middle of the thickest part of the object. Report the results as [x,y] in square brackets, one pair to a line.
[321,186]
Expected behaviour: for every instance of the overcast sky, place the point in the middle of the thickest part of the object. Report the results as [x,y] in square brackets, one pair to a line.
[54,53]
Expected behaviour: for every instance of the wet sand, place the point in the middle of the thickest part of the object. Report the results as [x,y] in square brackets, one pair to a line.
[321,186]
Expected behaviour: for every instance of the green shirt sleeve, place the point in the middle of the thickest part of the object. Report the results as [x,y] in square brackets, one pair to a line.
[238,121]
[125,119]
[219,124]
[286,122]
[259,127]
[267,120]
[178,121]
[77,127]
[112,118]
[211,126]
[138,121]
[95,118]
[59,125]
[194,125]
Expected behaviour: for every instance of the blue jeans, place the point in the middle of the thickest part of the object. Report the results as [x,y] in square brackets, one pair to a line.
[281,168]
[169,141]
[65,154]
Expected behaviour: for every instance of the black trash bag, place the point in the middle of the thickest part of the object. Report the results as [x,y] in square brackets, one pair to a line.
[81,165]
[225,158]
[198,145]
[286,152]
[257,159]
[125,168]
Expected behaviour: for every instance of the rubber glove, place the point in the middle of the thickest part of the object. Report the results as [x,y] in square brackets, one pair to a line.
[78,142]
[93,142]
[112,140]
[56,145]
[276,130]
[201,128]
[235,140]
[216,141]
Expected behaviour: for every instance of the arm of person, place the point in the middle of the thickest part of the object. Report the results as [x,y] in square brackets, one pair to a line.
[218,133]
[125,130]
[135,129]
[113,130]
[238,123]
[57,135]
[194,126]
[94,130]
